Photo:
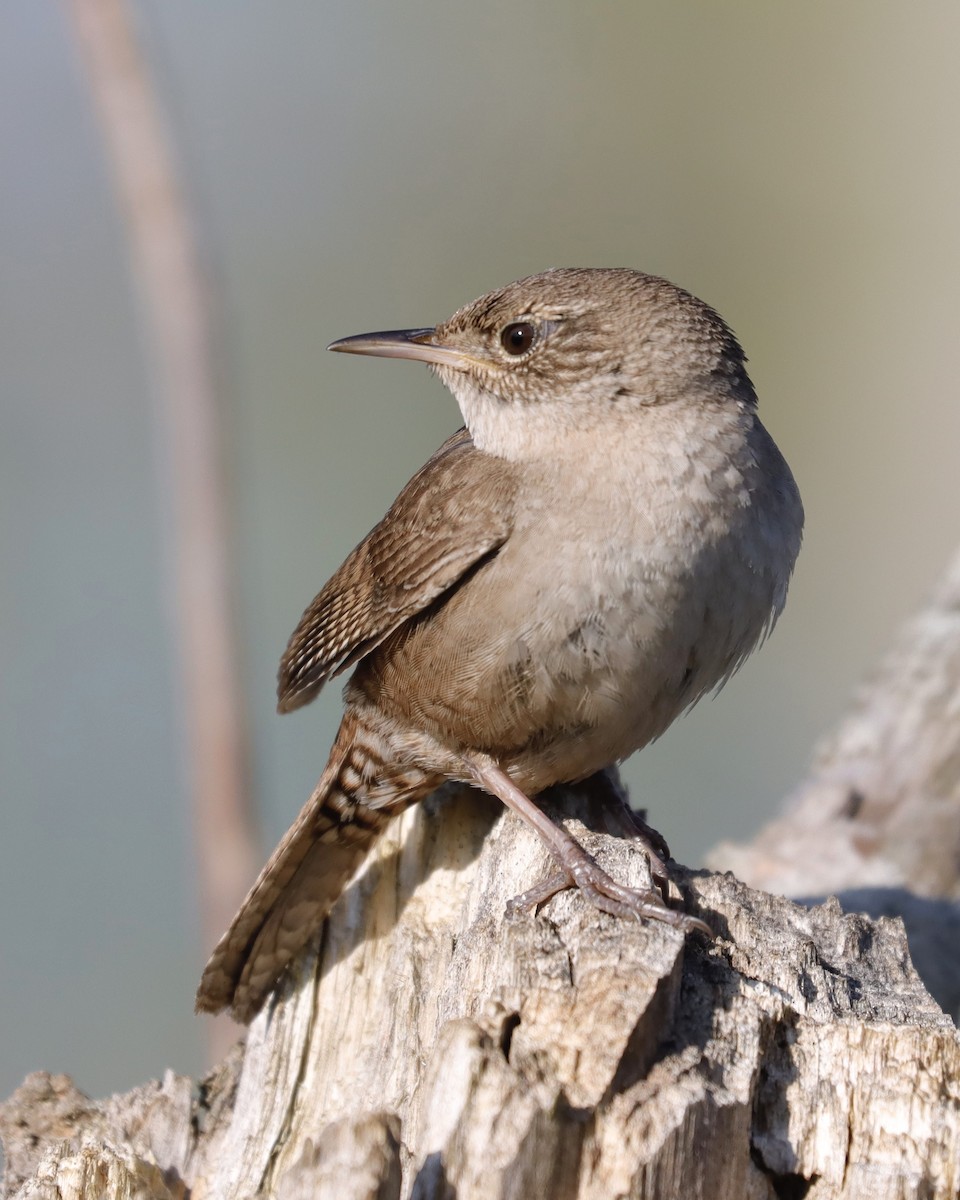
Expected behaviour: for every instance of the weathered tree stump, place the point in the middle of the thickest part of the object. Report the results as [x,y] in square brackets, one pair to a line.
[432,1047]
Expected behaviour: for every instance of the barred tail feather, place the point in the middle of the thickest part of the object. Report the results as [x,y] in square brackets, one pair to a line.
[304,877]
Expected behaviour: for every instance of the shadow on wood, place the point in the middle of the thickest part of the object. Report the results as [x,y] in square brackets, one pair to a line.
[432,1047]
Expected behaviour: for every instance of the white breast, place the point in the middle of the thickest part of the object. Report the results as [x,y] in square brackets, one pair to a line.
[657,573]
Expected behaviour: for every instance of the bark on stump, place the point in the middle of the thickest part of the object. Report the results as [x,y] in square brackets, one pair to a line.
[434,1048]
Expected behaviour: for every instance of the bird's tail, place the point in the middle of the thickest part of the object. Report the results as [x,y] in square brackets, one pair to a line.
[352,804]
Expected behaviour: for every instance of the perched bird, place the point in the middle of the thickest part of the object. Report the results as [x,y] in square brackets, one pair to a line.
[605,541]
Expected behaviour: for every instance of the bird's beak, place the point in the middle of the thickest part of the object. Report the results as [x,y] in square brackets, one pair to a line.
[421,345]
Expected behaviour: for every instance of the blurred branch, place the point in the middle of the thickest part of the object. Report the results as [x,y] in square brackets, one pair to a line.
[177,316]
[881,807]
[877,822]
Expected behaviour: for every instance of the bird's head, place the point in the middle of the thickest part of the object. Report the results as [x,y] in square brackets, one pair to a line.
[570,350]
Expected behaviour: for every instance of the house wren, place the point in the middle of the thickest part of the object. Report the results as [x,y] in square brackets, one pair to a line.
[608,538]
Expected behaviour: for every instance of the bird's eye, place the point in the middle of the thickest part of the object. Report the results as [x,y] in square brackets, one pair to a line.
[518,337]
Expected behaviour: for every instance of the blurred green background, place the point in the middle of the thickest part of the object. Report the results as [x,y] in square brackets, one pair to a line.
[356,167]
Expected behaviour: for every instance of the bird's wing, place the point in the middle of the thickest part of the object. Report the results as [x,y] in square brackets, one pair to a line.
[456,512]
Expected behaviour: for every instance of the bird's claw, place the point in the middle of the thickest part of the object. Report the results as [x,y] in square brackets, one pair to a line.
[603,892]
[657,850]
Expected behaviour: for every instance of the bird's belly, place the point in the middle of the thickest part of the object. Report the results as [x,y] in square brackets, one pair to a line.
[560,676]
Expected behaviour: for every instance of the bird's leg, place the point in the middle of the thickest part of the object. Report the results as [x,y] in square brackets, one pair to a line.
[653,840]
[578,869]
[623,821]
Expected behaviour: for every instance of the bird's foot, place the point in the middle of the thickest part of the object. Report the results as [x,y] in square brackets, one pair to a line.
[539,894]
[653,841]
[654,846]
[603,892]
[621,820]
[577,868]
